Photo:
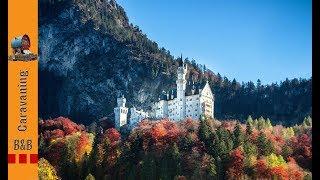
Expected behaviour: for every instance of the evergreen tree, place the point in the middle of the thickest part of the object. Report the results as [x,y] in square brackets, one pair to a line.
[261,123]
[174,161]
[255,123]
[148,170]
[249,128]
[204,130]
[219,168]
[264,145]
[290,132]
[212,167]
[307,121]
[268,124]
[286,151]
[238,135]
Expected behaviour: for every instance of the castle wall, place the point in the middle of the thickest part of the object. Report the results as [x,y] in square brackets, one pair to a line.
[120,116]
[137,116]
[193,106]
[206,101]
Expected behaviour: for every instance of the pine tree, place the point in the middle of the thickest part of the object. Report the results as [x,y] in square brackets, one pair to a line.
[148,170]
[238,135]
[286,151]
[174,161]
[255,123]
[249,128]
[261,123]
[219,168]
[264,145]
[204,130]
[307,121]
[268,124]
[212,167]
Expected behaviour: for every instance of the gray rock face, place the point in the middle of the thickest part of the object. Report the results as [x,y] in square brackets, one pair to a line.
[82,69]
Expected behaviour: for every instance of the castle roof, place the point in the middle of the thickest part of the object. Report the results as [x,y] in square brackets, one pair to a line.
[189,88]
[180,61]
[163,95]
[194,86]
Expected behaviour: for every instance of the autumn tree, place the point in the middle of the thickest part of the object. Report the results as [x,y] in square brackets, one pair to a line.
[261,170]
[90,177]
[46,171]
[236,165]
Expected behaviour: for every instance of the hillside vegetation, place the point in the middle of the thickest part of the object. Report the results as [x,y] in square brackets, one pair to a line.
[189,149]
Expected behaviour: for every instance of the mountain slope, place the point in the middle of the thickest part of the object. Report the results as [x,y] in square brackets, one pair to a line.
[89,54]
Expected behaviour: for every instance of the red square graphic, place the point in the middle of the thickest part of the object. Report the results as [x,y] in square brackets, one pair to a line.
[23,158]
[11,158]
[33,158]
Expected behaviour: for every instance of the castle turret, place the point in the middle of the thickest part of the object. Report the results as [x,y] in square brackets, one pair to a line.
[181,89]
[120,113]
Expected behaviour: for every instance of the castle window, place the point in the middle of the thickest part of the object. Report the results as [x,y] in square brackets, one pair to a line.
[180,99]
[197,98]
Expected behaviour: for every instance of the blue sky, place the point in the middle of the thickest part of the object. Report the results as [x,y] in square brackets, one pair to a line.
[242,39]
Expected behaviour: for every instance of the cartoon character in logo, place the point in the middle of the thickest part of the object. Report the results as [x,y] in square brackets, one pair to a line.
[20,48]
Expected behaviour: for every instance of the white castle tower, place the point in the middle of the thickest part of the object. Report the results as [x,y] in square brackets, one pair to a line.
[120,113]
[181,89]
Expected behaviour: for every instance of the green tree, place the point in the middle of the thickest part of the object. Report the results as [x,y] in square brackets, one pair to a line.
[268,124]
[204,130]
[286,151]
[261,123]
[255,123]
[264,145]
[249,128]
[274,160]
[290,132]
[212,167]
[174,162]
[148,170]
[307,121]
[238,135]
[219,168]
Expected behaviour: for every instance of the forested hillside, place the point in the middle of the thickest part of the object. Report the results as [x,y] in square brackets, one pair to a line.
[189,149]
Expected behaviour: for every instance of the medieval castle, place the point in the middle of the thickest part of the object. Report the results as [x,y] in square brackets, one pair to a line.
[189,99]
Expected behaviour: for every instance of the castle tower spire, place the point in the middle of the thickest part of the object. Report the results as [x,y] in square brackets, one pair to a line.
[181,89]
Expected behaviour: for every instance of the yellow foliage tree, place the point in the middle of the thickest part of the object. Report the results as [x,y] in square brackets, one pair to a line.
[46,171]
